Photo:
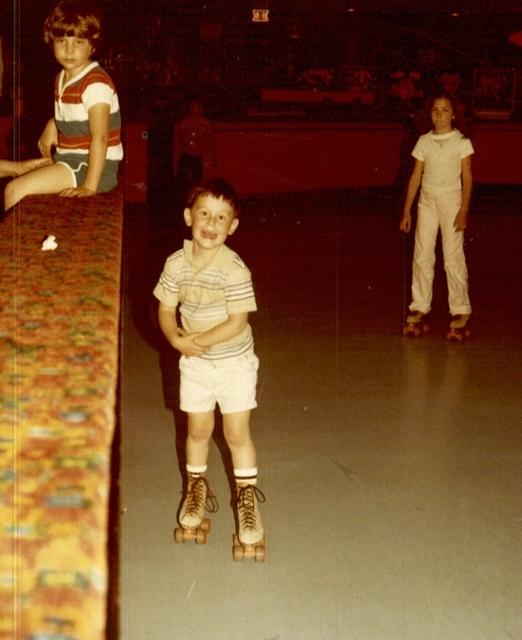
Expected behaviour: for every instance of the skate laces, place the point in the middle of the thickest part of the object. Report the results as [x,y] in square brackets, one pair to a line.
[246,505]
[200,494]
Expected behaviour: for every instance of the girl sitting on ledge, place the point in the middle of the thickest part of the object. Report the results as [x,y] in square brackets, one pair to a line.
[85,130]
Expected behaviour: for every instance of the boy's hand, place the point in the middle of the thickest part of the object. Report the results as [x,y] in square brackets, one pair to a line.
[405,224]
[184,343]
[77,192]
[461,220]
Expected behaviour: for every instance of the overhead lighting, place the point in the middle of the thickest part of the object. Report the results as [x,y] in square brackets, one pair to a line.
[260,15]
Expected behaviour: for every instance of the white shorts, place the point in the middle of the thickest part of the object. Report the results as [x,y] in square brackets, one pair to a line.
[231,383]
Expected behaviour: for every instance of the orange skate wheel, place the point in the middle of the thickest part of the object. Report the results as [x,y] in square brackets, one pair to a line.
[200,536]
[238,551]
[260,552]
[205,525]
[179,535]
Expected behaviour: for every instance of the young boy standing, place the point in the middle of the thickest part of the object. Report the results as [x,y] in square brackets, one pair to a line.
[213,288]
[85,130]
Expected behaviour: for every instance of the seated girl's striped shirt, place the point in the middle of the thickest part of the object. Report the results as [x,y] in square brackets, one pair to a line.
[72,101]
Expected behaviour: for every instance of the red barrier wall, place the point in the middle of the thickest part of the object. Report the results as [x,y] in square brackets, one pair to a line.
[275,157]
[307,156]
[498,153]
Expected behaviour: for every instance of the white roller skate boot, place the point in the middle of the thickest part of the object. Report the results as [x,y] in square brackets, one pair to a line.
[249,542]
[199,497]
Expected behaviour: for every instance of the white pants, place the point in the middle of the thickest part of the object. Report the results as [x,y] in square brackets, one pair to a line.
[439,210]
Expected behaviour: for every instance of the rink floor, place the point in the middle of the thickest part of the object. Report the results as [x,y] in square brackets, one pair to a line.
[392,467]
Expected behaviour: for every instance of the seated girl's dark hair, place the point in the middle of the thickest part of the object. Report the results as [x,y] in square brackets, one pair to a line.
[74,18]
[216,187]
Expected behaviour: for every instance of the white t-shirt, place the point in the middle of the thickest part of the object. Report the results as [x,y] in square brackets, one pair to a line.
[442,156]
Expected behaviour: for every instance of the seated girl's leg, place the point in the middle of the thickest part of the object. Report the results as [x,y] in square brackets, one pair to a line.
[8,169]
[12,168]
[51,178]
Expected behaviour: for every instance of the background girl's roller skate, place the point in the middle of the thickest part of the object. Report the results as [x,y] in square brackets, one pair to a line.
[416,325]
[459,329]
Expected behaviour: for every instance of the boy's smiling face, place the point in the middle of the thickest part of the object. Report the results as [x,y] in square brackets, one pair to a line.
[212,220]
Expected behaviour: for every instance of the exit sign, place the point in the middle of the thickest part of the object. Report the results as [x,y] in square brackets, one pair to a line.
[260,15]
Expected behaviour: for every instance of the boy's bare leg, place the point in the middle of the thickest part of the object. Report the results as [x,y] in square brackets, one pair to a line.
[51,178]
[12,168]
[236,428]
[200,428]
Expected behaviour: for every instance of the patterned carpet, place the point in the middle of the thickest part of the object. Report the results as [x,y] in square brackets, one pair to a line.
[59,351]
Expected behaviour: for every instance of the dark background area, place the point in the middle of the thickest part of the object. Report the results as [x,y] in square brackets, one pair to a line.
[161,51]
[158,50]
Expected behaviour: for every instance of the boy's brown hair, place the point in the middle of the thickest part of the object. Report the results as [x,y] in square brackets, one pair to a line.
[74,18]
[218,188]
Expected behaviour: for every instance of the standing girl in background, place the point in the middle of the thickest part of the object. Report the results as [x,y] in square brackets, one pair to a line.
[194,146]
[443,171]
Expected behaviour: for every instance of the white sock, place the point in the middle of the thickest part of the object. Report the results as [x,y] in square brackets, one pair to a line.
[246,476]
[196,471]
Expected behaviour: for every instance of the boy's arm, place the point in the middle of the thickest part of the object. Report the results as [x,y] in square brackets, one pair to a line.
[99,130]
[228,329]
[48,139]
[411,192]
[177,337]
[461,218]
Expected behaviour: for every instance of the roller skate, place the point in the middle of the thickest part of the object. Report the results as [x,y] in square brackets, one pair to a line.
[415,325]
[459,329]
[249,541]
[199,497]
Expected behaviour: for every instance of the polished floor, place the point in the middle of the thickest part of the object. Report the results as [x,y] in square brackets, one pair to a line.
[392,467]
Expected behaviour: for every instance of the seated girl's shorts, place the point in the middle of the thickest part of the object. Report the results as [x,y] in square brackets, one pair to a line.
[231,383]
[77,165]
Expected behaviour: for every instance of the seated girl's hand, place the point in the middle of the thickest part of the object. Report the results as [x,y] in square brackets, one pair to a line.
[77,192]
[48,139]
